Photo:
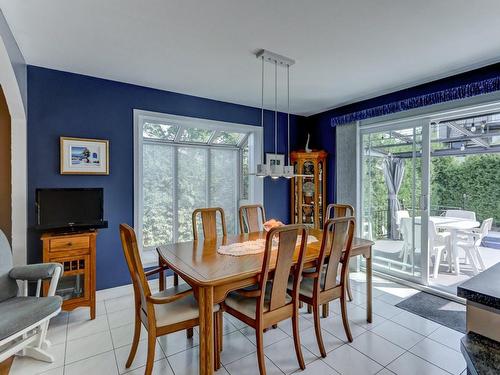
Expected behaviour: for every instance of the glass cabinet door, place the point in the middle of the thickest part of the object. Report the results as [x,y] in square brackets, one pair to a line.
[72,284]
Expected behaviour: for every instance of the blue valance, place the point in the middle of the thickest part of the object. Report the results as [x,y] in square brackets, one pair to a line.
[454,93]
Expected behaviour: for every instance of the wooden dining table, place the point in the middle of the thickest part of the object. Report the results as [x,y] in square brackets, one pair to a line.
[212,276]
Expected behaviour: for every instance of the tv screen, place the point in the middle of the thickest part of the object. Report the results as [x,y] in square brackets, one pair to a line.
[70,208]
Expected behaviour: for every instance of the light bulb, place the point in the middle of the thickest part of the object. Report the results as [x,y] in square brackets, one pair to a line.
[473,128]
[462,147]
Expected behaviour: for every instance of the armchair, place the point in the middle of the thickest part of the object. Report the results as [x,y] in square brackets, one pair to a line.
[25,319]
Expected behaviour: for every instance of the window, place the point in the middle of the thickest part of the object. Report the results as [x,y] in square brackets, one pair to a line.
[186,163]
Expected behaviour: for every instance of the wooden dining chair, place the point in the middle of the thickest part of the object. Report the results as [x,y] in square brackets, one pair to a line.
[269,303]
[171,310]
[321,286]
[249,218]
[209,222]
[333,211]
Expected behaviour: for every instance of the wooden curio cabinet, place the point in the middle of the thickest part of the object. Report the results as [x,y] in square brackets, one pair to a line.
[308,191]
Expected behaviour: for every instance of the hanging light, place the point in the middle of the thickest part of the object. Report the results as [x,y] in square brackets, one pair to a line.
[462,147]
[275,171]
[473,128]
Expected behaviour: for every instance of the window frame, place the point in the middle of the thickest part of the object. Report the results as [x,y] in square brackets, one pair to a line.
[253,136]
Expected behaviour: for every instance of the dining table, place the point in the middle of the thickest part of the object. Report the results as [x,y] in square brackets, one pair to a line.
[212,276]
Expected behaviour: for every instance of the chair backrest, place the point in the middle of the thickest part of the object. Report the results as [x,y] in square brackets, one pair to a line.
[337,240]
[209,222]
[8,286]
[249,218]
[433,232]
[485,227]
[133,258]
[401,214]
[287,236]
[461,214]
[334,210]
[407,233]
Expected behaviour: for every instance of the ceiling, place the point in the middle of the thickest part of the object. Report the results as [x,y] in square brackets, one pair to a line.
[344,50]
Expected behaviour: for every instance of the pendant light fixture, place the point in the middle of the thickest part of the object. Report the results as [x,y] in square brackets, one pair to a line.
[275,171]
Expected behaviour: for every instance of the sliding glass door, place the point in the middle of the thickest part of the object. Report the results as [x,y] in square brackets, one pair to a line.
[393,196]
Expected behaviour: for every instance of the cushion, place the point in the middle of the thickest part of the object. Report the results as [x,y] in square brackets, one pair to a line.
[34,272]
[306,286]
[8,286]
[19,313]
[180,310]
[248,305]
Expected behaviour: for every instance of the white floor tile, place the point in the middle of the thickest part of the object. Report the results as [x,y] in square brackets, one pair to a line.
[385,372]
[177,341]
[317,367]
[102,364]
[334,325]
[120,303]
[236,322]
[397,334]
[448,337]
[384,309]
[121,317]
[286,325]
[409,364]
[124,335]
[348,361]
[57,334]
[249,365]
[415,323]
[88,327]
[140,356]
[30,366]
[283,355]
[440,355]
[161,367]
[270,337]
[187,363]
[377,348]
[83,313]
[56,371]
[88,346]
[308,339]
[236,346]
[357,315]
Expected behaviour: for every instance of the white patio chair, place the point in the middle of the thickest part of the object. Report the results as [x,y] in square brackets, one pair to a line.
[400,215]
[470,241]
[439,242]
[461,214]
[406,232]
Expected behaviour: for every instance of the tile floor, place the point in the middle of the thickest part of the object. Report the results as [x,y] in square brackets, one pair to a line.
[397,342]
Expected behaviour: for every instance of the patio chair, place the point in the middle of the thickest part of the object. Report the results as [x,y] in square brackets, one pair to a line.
[400,215]
[23,319]
[461,214]
[471,240]
[439,242]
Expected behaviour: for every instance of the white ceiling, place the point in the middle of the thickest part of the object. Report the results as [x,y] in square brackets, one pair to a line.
[344,50]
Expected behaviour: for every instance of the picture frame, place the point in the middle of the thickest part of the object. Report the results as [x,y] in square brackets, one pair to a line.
[275,159]
[84,156]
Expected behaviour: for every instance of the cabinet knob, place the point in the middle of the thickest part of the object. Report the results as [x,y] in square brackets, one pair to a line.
[69,243]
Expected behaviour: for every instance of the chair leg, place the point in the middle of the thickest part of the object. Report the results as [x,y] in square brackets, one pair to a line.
[259,336]
[151,353]
[469,254]
[479,258]
[326,310]
[176,279]
[348,287]
[309,309]
[437,262]
[317,329]
[296,339]
[189,333]
[216,341]
[220,317]
[345,321]
[135,341]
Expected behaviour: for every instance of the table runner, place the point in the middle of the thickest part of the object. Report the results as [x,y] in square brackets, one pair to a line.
[254,247]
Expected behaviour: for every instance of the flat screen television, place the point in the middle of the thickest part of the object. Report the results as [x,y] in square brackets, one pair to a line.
[70,209]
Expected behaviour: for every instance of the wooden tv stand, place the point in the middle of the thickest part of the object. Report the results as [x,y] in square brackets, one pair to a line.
[76,252]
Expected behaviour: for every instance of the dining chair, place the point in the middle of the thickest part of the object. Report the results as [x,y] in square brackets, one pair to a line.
[471,240]
[249,218]
[333,211]
[439,242]
[323,285]
[171,310]
[461,214]
[209,222]
[272,300]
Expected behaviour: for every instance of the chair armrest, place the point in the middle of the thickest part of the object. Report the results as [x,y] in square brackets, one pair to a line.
[248,293]
[34,272]
[155,270]
[170,294]
[310,275]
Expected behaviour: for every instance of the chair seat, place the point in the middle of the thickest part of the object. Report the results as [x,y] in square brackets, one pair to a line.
[307,285]
[248,305]
[180,310]
[18,313]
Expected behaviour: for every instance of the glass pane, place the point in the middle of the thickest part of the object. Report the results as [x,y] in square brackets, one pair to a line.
[192,182]
[158,191]
[72,286]
[159,131]
[228,138]
[196,135]
[244,172]
[223,184]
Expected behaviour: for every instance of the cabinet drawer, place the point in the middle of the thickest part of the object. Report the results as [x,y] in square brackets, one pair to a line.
[60,244]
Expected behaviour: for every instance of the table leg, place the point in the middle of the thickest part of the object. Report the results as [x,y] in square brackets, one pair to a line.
[161,274]
[369,277]
[205,303]
[454,251]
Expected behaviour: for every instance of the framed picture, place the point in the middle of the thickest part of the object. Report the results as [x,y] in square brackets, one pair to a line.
[275,159]
[84,156]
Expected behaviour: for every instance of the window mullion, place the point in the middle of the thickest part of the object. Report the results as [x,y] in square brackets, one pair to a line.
[175,207]
[209,177]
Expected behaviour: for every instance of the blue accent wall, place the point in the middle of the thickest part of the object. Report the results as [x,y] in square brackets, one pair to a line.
[323,135]
[67,104]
